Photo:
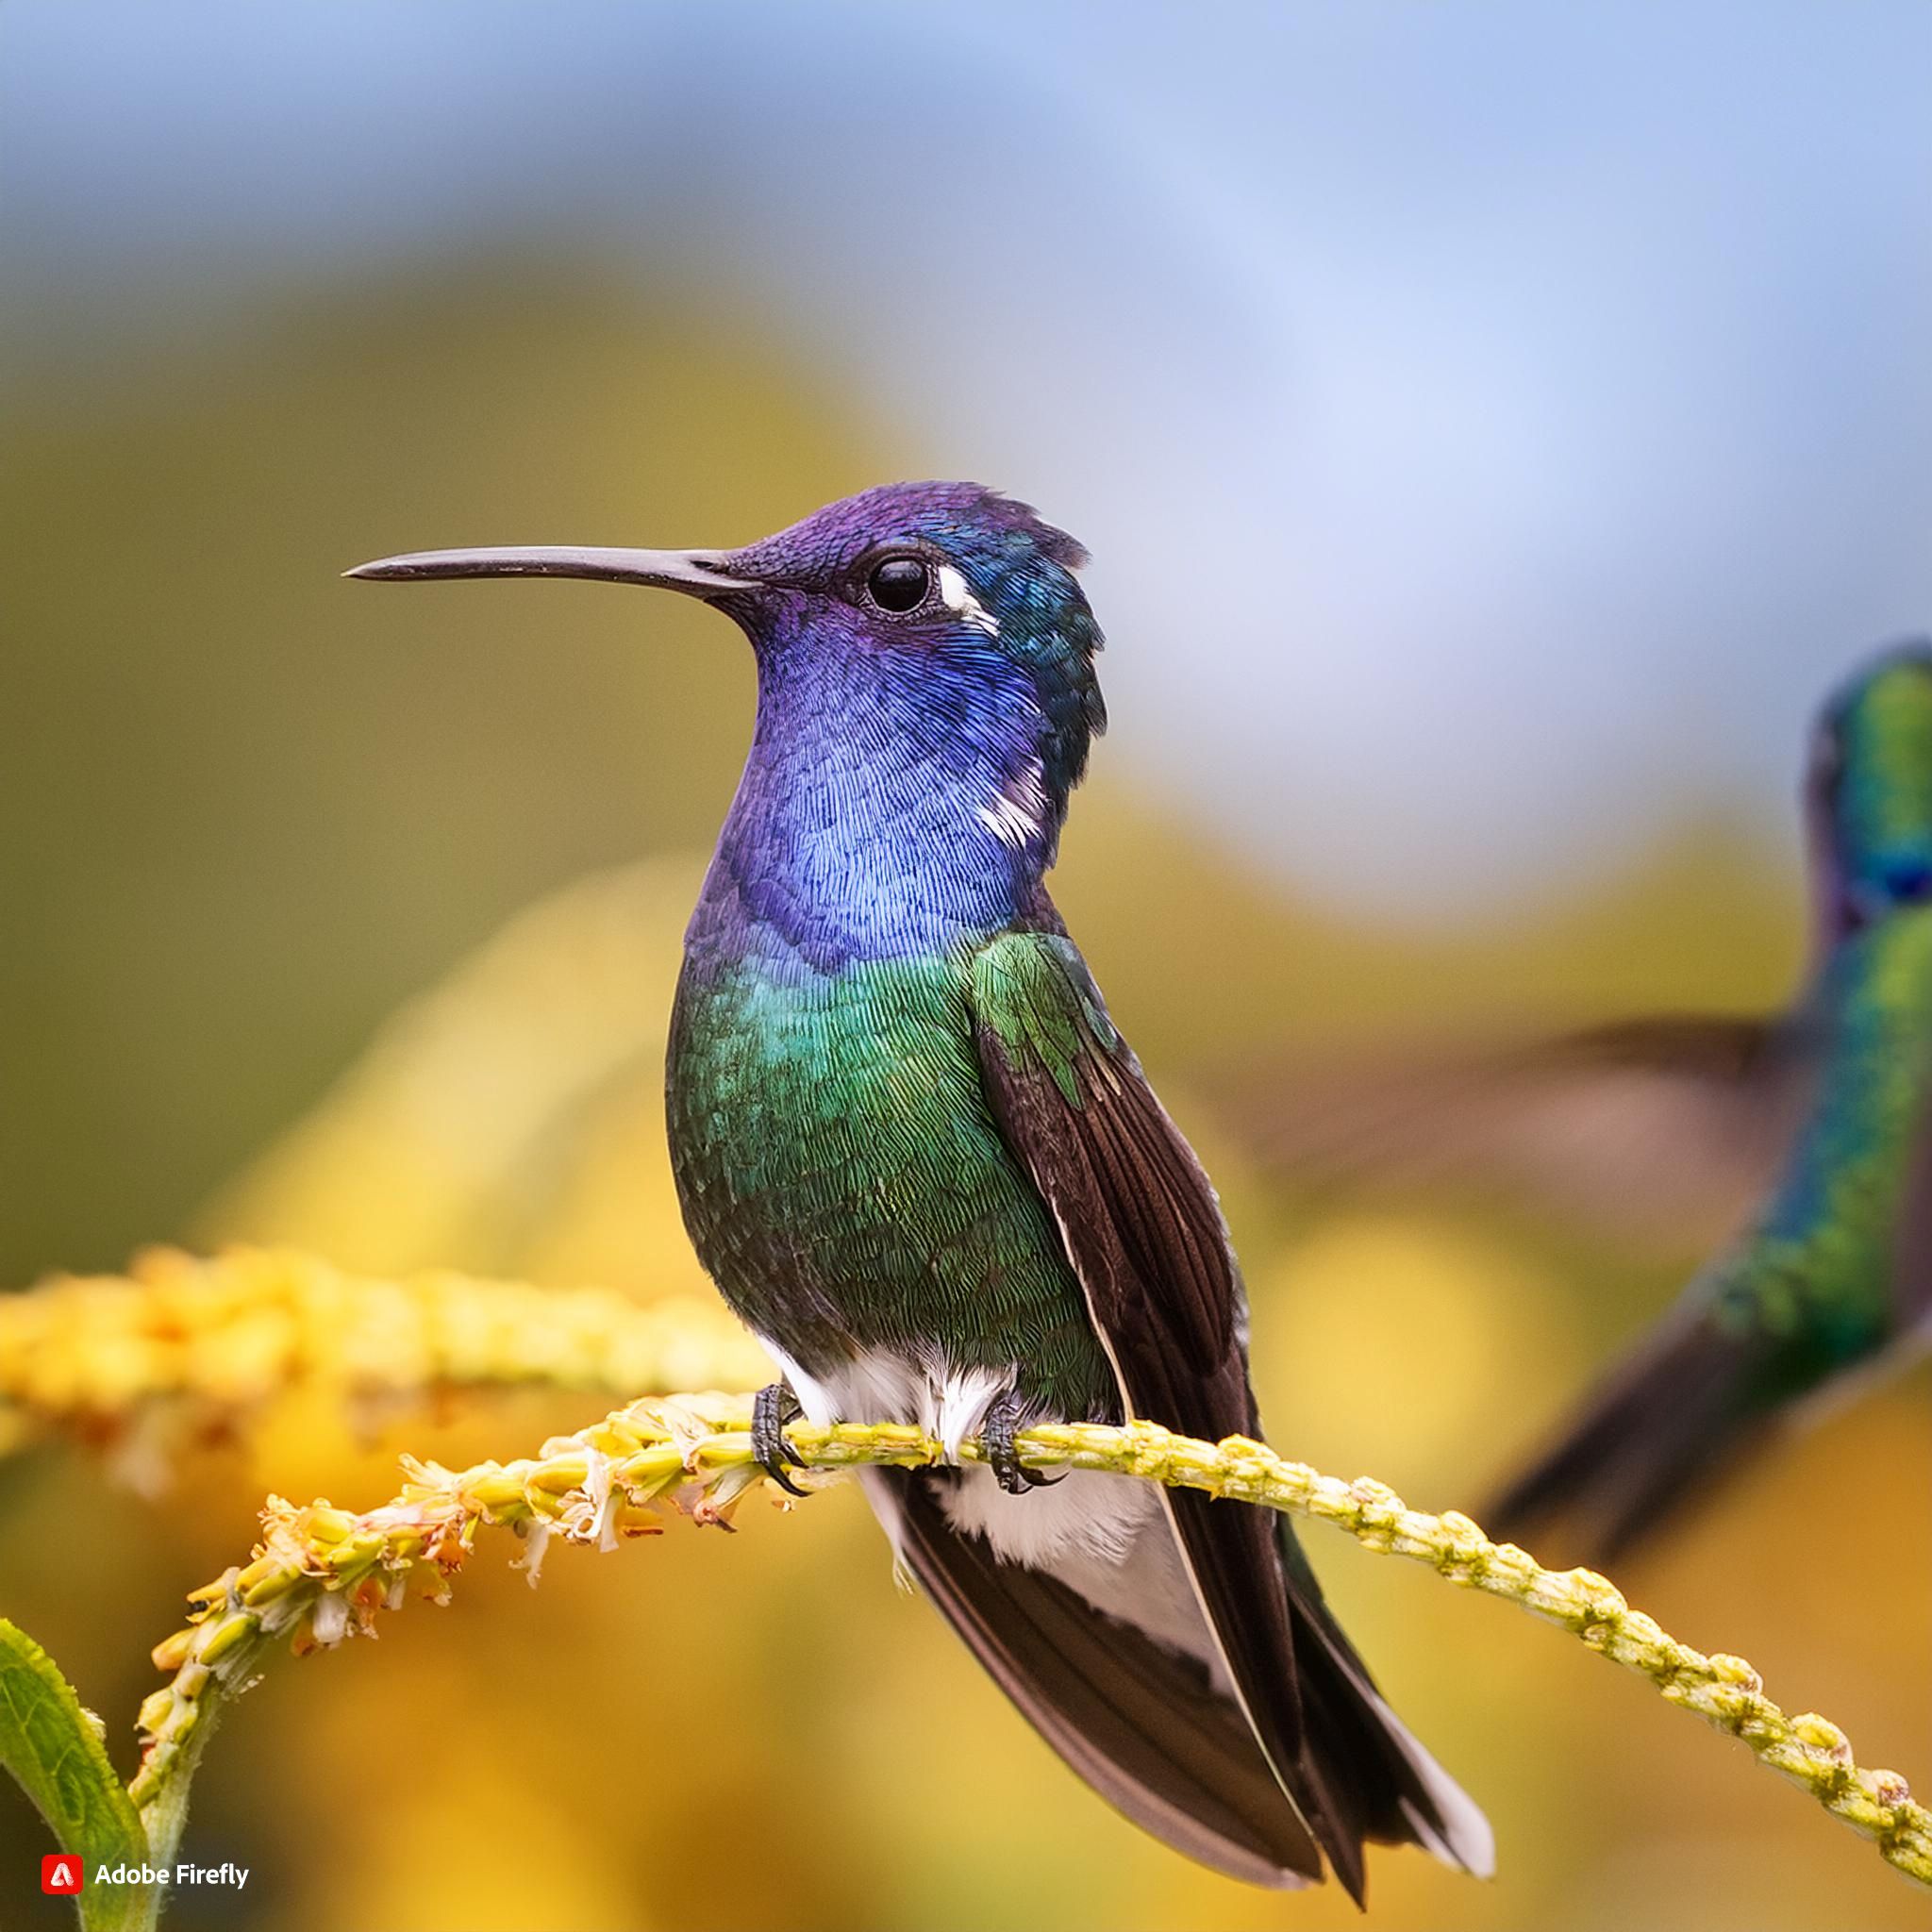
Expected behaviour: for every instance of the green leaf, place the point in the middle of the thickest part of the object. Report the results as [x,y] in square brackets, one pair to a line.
[49,1744]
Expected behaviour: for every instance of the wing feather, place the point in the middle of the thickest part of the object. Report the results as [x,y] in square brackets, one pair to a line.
[1144,1233]
[1671,1127]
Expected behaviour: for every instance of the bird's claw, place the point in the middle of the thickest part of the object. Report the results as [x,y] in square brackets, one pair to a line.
[1000,1425]
[774,1406]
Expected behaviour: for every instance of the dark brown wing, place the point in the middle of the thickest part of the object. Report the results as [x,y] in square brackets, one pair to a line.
[1144,1234]
[1646,1441]
[1671,1126]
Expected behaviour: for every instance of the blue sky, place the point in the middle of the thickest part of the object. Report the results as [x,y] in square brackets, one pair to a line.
[1494,424]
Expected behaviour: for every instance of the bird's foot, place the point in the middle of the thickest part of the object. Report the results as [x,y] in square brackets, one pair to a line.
[996,1432]
[774,1406]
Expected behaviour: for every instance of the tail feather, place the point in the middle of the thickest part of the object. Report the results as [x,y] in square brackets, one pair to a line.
[1140,1723]
[1150,1729]
[1371,1764]
[1656,1430]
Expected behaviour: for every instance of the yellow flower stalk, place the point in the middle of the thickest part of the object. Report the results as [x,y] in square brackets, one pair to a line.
[214,1338]
[320,1573]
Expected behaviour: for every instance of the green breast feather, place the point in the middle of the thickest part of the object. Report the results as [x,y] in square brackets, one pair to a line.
[846,1184]
[1820,1273]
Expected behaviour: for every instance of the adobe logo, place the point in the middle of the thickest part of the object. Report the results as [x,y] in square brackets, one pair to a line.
[60,1873]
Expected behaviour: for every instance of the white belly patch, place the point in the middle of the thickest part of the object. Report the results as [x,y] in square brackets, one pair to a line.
[1106,1537]
[880,1386]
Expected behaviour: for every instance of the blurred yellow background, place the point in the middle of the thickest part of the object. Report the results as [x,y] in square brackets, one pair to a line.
[251,811]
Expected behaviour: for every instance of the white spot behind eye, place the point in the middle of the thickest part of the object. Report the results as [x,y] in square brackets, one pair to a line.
[956,594]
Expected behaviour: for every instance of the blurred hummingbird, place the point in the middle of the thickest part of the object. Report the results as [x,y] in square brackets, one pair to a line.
[923,1166]
[1825,1105]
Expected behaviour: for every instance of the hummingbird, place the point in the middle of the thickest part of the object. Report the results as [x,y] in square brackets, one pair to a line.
[1821,1113]
[923,1165]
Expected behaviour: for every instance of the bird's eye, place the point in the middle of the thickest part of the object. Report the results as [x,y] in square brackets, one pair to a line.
[898,584]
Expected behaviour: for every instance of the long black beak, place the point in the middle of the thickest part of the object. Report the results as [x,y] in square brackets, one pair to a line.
[697,573]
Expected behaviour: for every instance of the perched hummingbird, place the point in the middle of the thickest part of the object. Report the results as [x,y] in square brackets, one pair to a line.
[923,1166]
[1827,1104]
